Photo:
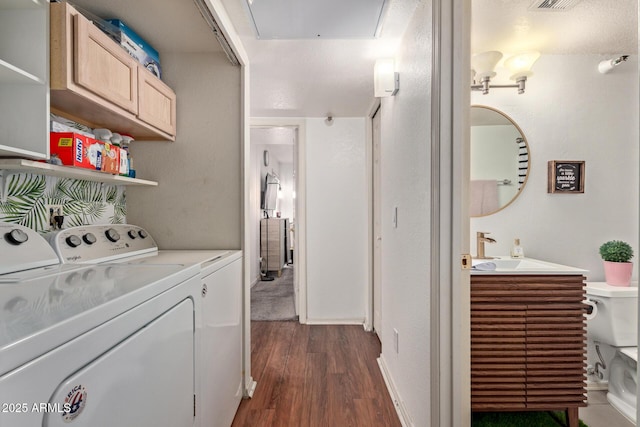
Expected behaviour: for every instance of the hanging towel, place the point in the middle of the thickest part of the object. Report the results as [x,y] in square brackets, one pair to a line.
[484,197]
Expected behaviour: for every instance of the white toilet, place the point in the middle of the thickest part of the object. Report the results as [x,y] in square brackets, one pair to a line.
[615,322]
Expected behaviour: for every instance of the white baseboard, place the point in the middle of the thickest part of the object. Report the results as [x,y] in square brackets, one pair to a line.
[255,281]
[250,388]
[401,410]
[335,321]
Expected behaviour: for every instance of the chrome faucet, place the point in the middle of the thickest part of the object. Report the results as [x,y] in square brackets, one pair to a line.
[481,239]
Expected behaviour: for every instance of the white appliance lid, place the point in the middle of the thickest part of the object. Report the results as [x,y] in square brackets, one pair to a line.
[179,256]
[601,289]
[39,313]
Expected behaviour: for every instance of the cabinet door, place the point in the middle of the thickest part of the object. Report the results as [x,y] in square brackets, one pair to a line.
[103,67]
[156,102]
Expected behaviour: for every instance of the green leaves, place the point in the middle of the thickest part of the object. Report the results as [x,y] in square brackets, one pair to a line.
[616,251]
[25,203]
[85,202]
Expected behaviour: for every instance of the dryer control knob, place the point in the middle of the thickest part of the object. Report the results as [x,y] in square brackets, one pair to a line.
[132,234]
[17,237]
[143,234]
[73,241]
[112,235]
[89,238]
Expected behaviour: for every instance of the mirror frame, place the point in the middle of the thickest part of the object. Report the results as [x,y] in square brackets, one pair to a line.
[526,142]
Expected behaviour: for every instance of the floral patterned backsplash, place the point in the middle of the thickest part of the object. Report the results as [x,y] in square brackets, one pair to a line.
[30,196]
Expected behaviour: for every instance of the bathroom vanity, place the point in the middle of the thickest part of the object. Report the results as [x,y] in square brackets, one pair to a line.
[528,337]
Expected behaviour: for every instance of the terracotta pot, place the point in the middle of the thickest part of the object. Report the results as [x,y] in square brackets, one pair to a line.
[618,273]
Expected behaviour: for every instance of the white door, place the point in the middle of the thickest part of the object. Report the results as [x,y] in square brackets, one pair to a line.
[377,228]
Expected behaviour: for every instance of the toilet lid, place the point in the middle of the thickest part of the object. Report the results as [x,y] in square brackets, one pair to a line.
[631,352]
[603,290]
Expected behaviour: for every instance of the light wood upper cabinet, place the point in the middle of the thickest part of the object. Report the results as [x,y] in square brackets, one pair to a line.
[94,81]
[103,67]
[156,102]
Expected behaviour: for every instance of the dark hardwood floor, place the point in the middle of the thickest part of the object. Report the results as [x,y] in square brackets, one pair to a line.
[315,376]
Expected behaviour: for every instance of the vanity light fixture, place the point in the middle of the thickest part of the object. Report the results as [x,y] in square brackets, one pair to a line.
[605,66]
[386,81]
[483,65]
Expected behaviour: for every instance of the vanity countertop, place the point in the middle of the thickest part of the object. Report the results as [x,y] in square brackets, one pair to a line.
[505,265]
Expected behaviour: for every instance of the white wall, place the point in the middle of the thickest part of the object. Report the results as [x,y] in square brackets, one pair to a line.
[336,220]
[285,195]
[572,112]
[197,204]
[406,249]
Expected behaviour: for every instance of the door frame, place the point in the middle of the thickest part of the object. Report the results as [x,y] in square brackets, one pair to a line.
[450,284]
[300,234]
[375,108]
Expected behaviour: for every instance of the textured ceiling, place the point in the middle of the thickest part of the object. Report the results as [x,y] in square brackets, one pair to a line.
[313,78]
[313,19]
[590,27]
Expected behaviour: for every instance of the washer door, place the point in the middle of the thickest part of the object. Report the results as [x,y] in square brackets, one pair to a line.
[145,380]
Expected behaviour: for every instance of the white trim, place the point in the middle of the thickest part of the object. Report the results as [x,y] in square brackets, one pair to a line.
[398,404]
[251,388]
[336,322]
[221,17]
[450,310]
[219,13]
[368,321]
[300,235]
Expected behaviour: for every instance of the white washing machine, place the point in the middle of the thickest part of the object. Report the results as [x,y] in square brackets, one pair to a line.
[90,345]
[220,370]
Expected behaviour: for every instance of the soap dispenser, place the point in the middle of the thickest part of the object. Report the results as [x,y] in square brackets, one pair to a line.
[516,250]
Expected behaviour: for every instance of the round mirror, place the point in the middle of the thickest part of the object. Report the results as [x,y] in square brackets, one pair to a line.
[500,159]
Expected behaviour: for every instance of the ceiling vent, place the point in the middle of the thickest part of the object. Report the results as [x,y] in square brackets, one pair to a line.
[553,5]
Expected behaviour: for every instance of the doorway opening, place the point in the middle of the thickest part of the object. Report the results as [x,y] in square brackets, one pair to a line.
[276,220]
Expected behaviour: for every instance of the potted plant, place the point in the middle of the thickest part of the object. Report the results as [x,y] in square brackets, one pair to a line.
[616,255]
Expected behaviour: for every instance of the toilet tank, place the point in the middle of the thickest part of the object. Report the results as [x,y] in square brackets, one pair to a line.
[616,319]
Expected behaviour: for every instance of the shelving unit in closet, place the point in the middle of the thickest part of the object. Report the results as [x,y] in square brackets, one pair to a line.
[24,78]
[9,166]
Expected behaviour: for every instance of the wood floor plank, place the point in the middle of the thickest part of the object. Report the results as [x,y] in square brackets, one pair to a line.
[274,370]
[291,386]
[313,375]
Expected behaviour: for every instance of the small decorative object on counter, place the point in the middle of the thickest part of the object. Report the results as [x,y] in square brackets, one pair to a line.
[516,250]
[617,255]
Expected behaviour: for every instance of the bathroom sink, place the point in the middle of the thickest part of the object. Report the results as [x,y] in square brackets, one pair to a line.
[508,265]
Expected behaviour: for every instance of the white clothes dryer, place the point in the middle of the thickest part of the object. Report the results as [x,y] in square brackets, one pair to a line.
[94,345]
[219,374]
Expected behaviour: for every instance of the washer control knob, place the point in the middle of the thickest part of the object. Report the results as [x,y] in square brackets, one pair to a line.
[112,235]
[89,238]
[17,236]
[73,241]
[132,234]
[143,234]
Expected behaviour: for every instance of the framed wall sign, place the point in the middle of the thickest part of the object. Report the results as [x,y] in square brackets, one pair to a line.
[565,176]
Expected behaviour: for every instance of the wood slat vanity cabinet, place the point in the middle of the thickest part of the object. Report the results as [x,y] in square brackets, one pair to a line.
[96,82]
[528,343]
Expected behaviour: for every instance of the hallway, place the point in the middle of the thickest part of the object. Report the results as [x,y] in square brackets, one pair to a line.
[315,376]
